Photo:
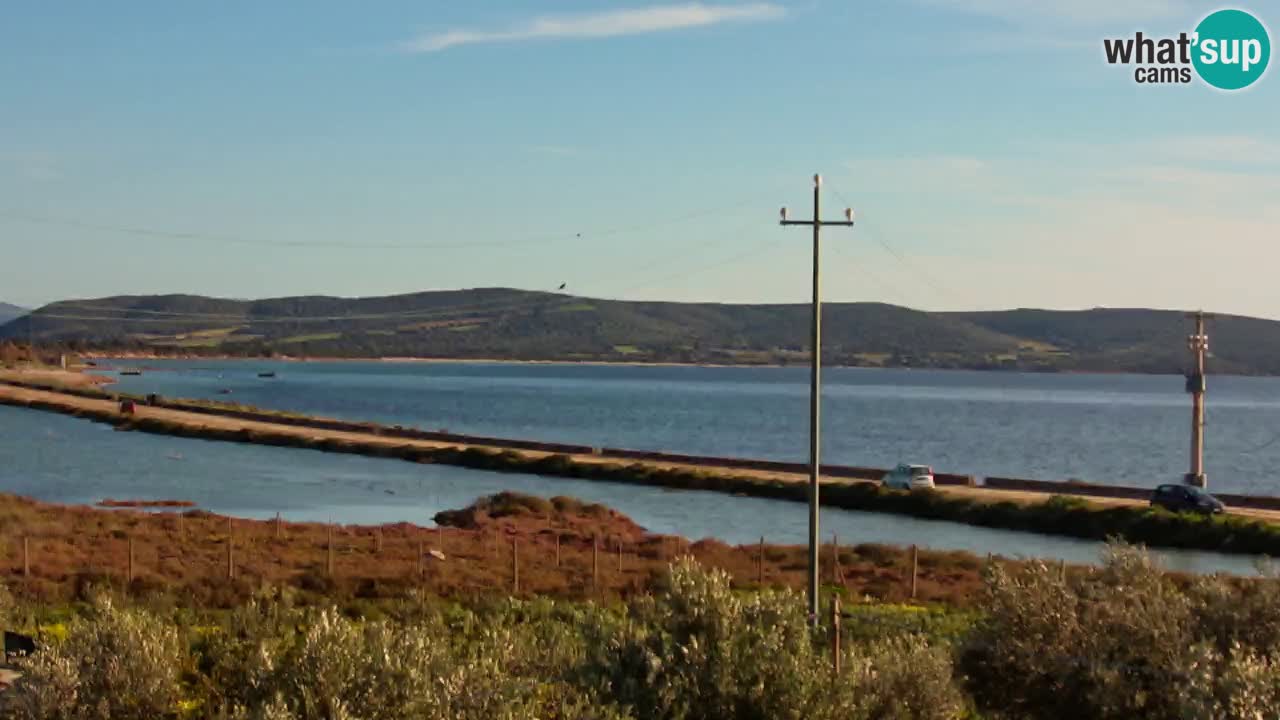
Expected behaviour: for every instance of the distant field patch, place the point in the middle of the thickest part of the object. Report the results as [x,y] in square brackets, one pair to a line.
[578,307]
[379,332]
[437,324]
[215,332]
[315,337]
[1037,346]
[627,349]
[463,328]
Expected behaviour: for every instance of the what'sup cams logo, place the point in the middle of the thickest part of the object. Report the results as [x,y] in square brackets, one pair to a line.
[1229,50]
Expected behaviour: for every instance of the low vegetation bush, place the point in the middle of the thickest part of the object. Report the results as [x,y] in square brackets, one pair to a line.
[699,650]
[115,664]
[695,649]
[1122,640]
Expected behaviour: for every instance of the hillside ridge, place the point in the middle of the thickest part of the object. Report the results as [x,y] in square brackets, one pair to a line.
[505,323]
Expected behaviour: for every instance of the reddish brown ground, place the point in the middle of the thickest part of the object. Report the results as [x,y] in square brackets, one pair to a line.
[185,555]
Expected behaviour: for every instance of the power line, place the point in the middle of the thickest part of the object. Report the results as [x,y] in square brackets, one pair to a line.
[684,256]
[872,231]
[886,289]
[26,217]
[496,306]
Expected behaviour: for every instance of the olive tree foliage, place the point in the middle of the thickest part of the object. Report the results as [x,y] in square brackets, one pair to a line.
[699,650]
[116,664]
[334,667]
[1123,641]
[693,650]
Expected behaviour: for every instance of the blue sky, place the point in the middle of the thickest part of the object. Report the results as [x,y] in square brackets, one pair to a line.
[629,150]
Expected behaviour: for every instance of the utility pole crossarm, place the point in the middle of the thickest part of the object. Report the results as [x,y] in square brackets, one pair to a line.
[824,223]
[815,383]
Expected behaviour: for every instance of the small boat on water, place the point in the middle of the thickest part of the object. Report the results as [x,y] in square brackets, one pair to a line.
[266,374]
[131,371]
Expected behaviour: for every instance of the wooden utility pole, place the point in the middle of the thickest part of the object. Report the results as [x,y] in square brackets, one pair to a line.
[1198,344]
[815,385]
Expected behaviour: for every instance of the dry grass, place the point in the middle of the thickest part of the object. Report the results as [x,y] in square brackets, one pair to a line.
[184,556]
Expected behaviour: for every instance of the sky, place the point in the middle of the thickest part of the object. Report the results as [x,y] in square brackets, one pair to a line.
[630,150]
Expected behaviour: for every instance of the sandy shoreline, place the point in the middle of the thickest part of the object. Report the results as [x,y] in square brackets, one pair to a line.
[442,360]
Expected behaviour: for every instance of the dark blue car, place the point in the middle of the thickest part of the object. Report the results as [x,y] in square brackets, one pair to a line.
[1186,498]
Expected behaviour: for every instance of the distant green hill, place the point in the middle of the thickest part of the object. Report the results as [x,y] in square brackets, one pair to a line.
[9,312]
[1141,340]
[503,323]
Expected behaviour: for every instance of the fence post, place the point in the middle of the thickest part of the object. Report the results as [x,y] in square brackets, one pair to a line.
[1062,570]
[619,554]
[557,549]
[329,558]
[915,569]
[595,563]
[760,563]
[440,538]
[377,541]
[231,557]
[130,572]
[279,527]
[835,559]
[26,557]
[515,566]
[835,634]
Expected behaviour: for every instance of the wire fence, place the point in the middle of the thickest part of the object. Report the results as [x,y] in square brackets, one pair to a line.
[225,556]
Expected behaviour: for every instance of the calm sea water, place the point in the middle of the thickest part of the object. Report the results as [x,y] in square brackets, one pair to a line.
[62,459]
[1119,429]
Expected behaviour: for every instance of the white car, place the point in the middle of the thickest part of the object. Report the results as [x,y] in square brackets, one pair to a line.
[909,477]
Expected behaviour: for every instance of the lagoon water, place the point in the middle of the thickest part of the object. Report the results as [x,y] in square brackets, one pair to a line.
[63,459]
[1116,429]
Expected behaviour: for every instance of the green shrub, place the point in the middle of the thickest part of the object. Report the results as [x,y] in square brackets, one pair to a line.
[1123,641]
[698,650]
[117,664]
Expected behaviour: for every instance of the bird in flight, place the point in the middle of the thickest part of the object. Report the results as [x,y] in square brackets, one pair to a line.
[562,286]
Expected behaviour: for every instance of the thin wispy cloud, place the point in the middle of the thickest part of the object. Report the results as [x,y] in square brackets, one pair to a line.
[1077,12]
[613,23]
[563,150]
